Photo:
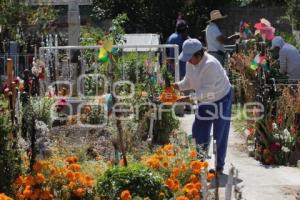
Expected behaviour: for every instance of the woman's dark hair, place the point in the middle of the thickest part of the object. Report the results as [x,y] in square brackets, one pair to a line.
[199,53]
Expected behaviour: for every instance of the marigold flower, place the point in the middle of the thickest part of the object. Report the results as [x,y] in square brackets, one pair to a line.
[181,197]
[72,159]
[165,164]
[193,154]
[197,172]
[27,192]
[80,192]
[46,195]
[196,165]
[197,197]
[193,178]
[161,195]
[189,186]
[195,191]
[125,195]
[198,185]
[38,166]
[39,178]
[29,180]
[168,148]
[205,164]
[170,183]
[36,194]
[153,163]
[70,176]
[176,185]
[210,176]
[74,167]
[77,175]
[19,181]
[72,185]
[4,197]
[175,171]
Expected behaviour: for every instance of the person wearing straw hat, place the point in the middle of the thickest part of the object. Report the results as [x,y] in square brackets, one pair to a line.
[214,38]
[289,58]
[213,92]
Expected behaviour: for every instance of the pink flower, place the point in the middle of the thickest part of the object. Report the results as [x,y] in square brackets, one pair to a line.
[294,130]
[61,104]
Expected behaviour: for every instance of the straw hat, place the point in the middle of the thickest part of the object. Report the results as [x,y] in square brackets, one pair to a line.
[215,15]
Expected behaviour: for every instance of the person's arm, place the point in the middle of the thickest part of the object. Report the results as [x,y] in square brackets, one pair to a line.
[283,61]
[184,84]
[222,39]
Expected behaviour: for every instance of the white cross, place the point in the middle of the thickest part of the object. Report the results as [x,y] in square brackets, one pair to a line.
[73,15]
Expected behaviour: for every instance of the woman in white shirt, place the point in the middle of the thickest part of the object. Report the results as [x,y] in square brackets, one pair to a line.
[206,76]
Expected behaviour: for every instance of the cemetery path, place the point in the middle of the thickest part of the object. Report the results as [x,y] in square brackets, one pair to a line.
[258,182]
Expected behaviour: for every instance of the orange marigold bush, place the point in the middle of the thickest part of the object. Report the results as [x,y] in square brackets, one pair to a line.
[4,197]
[180,169]
[53,181]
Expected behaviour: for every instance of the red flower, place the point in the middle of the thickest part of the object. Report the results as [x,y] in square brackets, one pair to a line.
[275,147]
[280,120]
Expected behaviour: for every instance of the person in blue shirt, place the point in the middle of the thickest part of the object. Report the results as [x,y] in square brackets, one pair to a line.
[180,35]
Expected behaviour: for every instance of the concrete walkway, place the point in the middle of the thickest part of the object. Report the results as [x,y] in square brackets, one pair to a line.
[259,182]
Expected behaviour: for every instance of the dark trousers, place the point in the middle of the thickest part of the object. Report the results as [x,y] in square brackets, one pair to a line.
[220,119]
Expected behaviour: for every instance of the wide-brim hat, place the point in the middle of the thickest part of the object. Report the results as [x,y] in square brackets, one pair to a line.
[216,15]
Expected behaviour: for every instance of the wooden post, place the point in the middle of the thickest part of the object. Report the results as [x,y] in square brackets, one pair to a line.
[12,87]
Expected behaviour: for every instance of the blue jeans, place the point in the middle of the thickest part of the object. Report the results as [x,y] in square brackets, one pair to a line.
[220,119]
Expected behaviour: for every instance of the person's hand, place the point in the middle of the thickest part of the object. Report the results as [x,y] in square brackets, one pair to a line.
[184,99]
[175,86]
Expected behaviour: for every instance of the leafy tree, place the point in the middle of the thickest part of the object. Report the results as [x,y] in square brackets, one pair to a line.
[158,16]
[19,21]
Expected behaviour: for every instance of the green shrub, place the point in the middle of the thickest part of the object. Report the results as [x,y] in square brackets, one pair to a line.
[139,180]
[10,160]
